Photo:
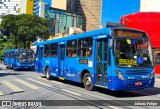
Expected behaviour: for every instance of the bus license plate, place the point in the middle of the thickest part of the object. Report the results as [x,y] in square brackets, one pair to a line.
[138,83]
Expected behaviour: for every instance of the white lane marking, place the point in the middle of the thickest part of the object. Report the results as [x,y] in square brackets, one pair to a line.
[50,81]
[12,86]
[39,82]
[27,84]
[71,92]
[1,93]
[115,107]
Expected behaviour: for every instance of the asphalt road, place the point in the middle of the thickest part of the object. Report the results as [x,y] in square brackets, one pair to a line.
[32,86]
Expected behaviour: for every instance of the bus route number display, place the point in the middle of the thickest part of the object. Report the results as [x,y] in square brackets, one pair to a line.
[123,33]
[127,62]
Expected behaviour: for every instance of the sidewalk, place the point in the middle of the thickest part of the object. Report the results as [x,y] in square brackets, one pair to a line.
[2,66]
[157,75]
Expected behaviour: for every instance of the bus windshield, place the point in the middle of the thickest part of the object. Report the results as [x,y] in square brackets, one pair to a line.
[26,56]
[133,52]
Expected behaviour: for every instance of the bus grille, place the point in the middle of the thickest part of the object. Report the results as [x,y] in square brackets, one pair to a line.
[137,72]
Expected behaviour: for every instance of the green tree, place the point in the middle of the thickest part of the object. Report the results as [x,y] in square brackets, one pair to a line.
[24,28]
[9,27]
[31,26]
[4,45]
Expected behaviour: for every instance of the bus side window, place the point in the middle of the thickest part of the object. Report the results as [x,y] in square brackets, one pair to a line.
[45,54]
[71,48]
[85,47]
[53,50]
[46,50]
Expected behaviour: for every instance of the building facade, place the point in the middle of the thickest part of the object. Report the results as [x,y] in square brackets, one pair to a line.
[91,10]
[149,6]
[59,4]
[27,7]
[62,20]
[9,7]
[39,6]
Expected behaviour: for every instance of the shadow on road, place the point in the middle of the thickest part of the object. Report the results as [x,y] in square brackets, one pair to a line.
[66,82]
[132,93]
[120,94]
[8,74]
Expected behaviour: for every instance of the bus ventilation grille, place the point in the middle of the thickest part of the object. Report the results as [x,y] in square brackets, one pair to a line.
[137,72]
[131,82]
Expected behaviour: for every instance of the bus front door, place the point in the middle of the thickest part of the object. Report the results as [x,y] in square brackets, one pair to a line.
[61,59]
[101,64]
[40,60]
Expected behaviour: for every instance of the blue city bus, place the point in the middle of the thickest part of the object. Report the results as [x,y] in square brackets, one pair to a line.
[116,58]
[19,59]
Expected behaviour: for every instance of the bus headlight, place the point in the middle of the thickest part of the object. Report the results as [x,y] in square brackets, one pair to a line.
[18,64]
[152,75]
[120,76]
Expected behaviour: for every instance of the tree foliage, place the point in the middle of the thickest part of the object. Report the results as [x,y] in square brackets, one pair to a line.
[4,45]
[24,28]
[19,30]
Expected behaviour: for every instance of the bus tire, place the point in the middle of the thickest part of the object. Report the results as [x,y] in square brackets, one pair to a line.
[87,81]
[48,74]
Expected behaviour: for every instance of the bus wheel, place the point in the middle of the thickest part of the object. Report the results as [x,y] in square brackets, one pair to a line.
[87,81]
[48,76]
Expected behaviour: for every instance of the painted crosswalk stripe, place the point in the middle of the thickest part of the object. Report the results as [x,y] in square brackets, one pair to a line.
[12,86]
[70,92]
[27,84]
[49,81]
[1,93]
[39,82]
[115,107]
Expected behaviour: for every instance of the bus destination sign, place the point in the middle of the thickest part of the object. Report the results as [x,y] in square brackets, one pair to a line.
[128,33]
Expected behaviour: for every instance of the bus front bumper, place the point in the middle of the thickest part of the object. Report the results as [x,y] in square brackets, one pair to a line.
[118,84]
[25,67]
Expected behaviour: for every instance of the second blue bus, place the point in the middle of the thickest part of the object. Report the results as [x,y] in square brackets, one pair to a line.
[19,59]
